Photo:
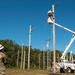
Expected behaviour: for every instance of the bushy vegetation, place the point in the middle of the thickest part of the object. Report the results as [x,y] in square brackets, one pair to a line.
[11,50]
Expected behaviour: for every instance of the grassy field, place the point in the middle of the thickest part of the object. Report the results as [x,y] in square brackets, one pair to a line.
[30,72]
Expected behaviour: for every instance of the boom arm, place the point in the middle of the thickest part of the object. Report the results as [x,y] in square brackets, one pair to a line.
[68,46]
[65,28]
[66,49]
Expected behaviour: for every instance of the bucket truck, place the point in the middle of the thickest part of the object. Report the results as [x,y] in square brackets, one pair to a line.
[64,64]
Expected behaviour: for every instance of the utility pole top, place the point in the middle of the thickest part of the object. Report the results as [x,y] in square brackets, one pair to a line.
[31,28]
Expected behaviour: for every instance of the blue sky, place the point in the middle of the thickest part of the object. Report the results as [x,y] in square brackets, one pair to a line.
[17,15]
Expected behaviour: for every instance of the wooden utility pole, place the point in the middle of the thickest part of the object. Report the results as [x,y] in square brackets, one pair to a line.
[43,59]
[47,60]
[50,60]
[49,65]
[24,58]
[39,61]
[47,47]
[54,39]
[58,57]
[51,20]
[21,58]
[30,31]
[17,58]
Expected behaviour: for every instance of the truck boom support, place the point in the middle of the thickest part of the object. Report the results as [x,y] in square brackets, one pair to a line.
[66,49]
[68,46]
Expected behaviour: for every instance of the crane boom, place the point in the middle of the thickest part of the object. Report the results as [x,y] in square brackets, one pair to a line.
[66,49]
[68,46]
[64,28]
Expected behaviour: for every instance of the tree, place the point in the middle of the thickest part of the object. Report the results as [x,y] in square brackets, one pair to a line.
[10,49]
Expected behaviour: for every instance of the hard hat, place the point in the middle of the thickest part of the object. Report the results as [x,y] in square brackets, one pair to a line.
[50,13]
[1,47]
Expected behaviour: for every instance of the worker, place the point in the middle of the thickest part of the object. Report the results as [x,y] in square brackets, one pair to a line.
[2,60]
[50,14]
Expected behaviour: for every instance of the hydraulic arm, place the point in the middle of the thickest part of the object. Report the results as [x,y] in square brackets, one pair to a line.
[68,46]
[66,49]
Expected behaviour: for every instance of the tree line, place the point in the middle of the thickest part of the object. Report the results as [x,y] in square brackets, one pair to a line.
[11,50]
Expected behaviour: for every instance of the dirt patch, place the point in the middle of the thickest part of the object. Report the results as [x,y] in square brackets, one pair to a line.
[26,72]
[32,72]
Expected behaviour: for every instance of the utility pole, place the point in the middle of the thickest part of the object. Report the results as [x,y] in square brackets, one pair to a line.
[67,53]
[43,59]
[57,57]
[54,39]
[30,31]
[21,67]
[47,46]
[24,58]
[39,60]
[50,60]
[51,20]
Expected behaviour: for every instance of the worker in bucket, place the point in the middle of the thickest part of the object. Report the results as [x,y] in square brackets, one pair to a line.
[2,60]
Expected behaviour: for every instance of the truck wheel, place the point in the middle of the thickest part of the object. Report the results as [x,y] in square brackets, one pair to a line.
[68,70]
